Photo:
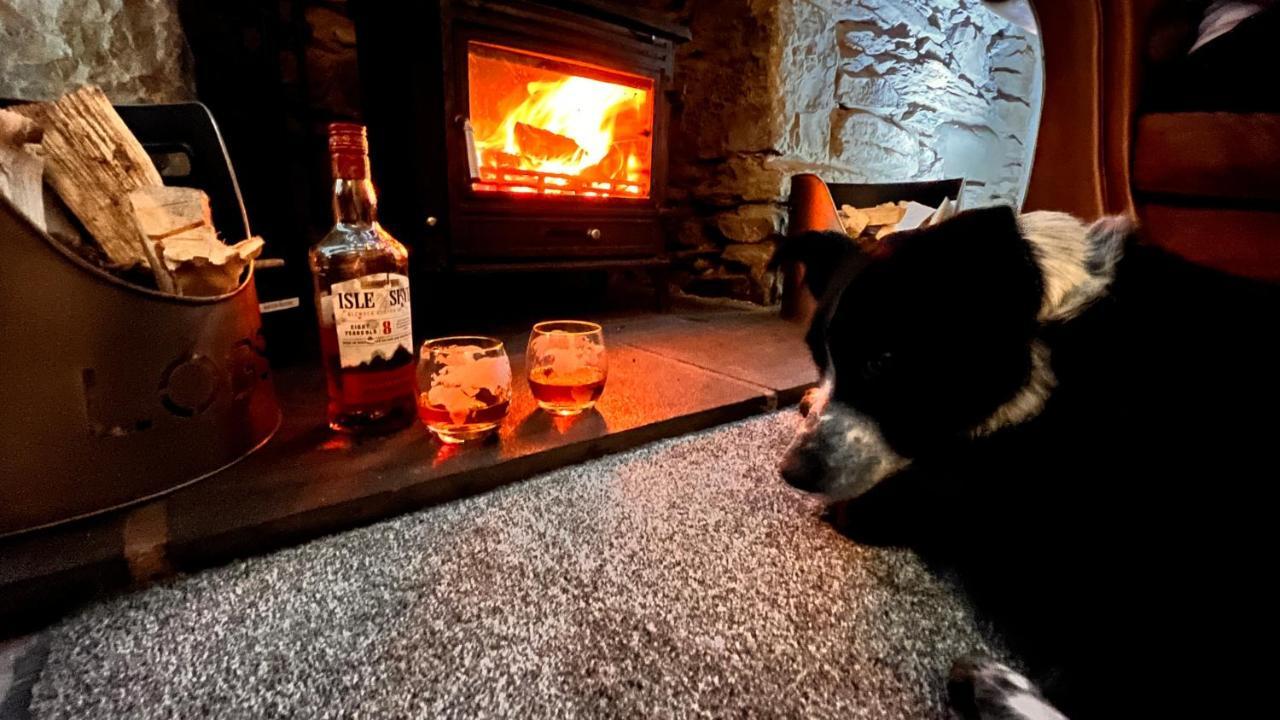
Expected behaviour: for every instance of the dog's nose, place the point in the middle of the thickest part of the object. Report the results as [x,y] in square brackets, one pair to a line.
[803,470]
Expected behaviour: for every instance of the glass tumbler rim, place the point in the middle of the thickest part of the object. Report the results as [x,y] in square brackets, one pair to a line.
[485,342]
[588,327]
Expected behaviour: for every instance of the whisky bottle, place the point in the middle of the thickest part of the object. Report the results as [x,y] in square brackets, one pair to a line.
[362,301]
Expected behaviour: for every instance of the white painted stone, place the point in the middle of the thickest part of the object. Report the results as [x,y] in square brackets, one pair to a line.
[1015,117]
[1013,83]
[134,50]
[912,15]
[859,39]
[809,138]
[970,53]
[858,63]
[808,65]
[872,93]
[1010,52]
[969,151]
[886,151]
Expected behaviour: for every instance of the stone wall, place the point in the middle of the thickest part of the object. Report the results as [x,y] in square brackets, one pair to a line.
[134,49]
[854,90]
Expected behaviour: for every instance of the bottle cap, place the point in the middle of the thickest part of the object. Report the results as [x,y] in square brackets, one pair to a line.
[347,137]
[349,150]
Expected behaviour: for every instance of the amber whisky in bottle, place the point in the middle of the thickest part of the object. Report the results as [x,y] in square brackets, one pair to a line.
[362,301]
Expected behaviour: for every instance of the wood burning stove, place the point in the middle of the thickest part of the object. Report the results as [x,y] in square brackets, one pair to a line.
[509,134]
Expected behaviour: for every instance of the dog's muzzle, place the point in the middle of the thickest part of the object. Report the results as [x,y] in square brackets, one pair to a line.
[839,453]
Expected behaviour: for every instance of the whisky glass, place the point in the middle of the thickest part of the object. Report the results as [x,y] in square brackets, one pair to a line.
[464,387]
[567,365]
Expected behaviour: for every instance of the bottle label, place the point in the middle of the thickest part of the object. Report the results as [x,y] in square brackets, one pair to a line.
[372,319]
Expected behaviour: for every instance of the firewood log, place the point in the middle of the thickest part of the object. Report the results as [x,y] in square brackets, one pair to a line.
[885,214]
[542,144]
[22,166]
[201,264]
[161,212]
[94,162]
[187,256]
[853,220]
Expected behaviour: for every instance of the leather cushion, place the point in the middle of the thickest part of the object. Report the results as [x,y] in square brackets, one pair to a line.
[1232,156]
[1238,241]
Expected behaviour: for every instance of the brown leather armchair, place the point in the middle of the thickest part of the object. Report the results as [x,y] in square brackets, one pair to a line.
[1204,185]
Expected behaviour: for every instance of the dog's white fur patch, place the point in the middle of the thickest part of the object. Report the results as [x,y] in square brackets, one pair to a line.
[1030,400]
[1026,706]
[1000,693]
[1063,254]
[1077,264]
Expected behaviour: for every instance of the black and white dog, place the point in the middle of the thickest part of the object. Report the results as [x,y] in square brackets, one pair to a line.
[1069,424]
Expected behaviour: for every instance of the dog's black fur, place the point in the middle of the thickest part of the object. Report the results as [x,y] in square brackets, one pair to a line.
[1119,538]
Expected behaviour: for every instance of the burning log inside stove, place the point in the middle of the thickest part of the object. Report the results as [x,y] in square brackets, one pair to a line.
[539,148]
[542,146]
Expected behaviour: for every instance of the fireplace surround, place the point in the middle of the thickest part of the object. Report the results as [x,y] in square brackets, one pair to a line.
[514,135]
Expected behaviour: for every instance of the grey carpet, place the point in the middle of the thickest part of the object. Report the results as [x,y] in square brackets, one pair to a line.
[682,579]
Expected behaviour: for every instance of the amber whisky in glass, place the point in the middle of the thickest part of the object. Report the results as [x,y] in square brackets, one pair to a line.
[464,386]
[567,365]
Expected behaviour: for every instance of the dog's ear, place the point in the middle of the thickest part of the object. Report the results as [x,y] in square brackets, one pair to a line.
[821,253]
[978,256]
[1107,239]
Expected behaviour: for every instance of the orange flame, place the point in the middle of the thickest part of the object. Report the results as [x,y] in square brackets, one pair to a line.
[552,132]
[579,109]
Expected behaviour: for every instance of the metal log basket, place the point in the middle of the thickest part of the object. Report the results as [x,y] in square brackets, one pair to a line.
[111,393]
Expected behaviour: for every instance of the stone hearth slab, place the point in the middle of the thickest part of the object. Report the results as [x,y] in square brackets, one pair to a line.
[753,346]
[310,481]
[669,375]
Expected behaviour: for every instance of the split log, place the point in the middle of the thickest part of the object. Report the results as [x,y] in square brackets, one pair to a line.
[853,220]
[186,254]
[162,212]
[203,265]
[885,214]
[94,162]
[22,166]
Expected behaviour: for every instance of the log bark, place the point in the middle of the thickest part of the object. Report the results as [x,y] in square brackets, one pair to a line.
[94,162]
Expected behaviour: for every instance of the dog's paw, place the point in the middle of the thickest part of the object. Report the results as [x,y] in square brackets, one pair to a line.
[980,688]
